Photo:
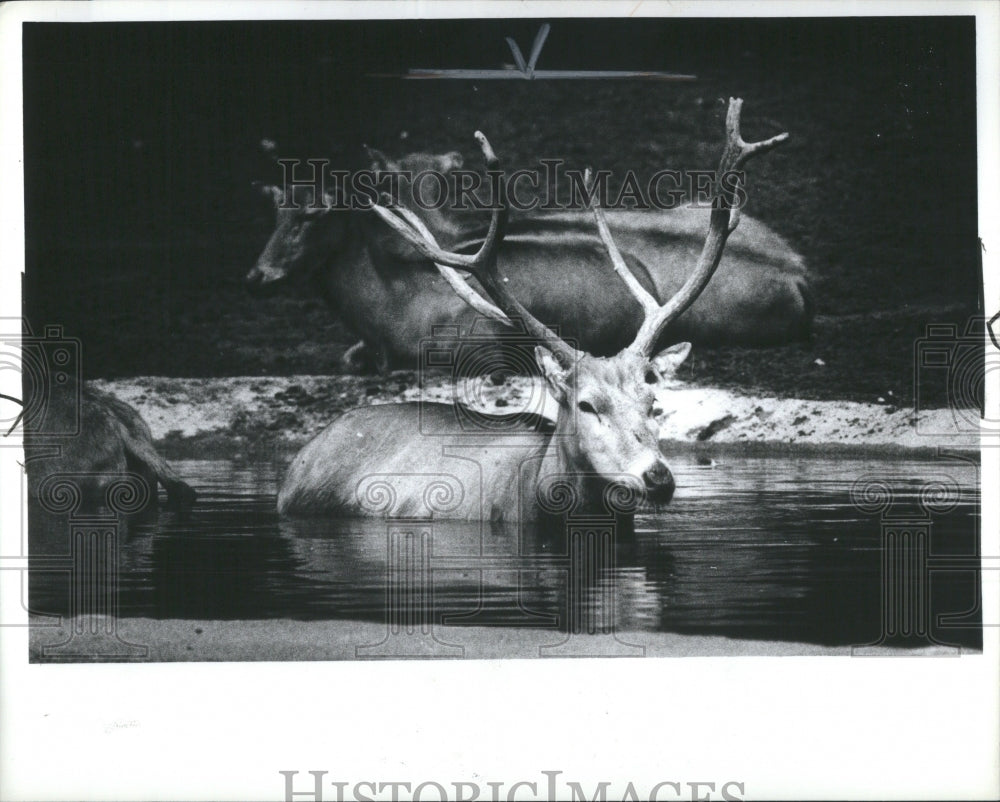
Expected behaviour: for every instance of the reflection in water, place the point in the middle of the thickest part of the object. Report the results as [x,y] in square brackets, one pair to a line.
[750,547]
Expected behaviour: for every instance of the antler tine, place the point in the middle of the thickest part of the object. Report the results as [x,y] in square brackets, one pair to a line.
[474,263]
[457,283]
[648,302]
[724,219]
[482,264]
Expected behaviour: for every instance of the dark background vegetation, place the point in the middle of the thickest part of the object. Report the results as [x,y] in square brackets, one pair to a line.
[142,140]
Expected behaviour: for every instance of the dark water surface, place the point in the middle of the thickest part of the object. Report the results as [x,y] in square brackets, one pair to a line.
[776,547]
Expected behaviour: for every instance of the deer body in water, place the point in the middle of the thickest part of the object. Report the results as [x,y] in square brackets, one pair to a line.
[601,454]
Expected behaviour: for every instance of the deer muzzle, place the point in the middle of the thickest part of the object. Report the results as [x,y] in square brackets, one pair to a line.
[659,482]
[261,281]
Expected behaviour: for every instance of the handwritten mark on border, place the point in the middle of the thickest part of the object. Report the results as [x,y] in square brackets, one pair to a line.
[525,69]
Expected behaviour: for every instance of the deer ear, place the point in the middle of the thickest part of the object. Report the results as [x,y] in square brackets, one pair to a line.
[555,375]
[379,161]
[450,161]
[669,359]
[270,191]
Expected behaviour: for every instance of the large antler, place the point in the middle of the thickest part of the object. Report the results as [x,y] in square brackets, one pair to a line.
[725,217]
[482,265]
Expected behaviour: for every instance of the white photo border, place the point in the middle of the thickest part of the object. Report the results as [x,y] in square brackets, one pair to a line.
[792,727]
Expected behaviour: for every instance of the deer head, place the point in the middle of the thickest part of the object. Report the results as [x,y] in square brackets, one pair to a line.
[606,405]
[309,231]
[305,231]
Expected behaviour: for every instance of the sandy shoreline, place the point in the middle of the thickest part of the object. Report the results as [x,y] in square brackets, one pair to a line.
[175,640]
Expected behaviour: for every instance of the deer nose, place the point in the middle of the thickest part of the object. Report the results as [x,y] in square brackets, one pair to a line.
[261,283]
[659,482]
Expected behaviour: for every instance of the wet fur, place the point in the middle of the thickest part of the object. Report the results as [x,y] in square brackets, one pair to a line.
[113,439]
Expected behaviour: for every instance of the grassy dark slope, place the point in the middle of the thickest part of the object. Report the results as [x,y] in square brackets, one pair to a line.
[140,148]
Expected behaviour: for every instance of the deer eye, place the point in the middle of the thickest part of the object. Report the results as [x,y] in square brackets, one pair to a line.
[586,406]
[651,376]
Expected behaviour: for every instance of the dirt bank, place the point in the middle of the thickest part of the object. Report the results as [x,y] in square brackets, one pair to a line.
[284,412]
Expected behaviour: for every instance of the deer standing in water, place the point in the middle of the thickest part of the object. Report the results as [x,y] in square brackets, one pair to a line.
[601,454]
[112,440]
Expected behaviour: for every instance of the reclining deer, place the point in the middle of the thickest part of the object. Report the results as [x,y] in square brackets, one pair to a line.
[416,459]
[387,292]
